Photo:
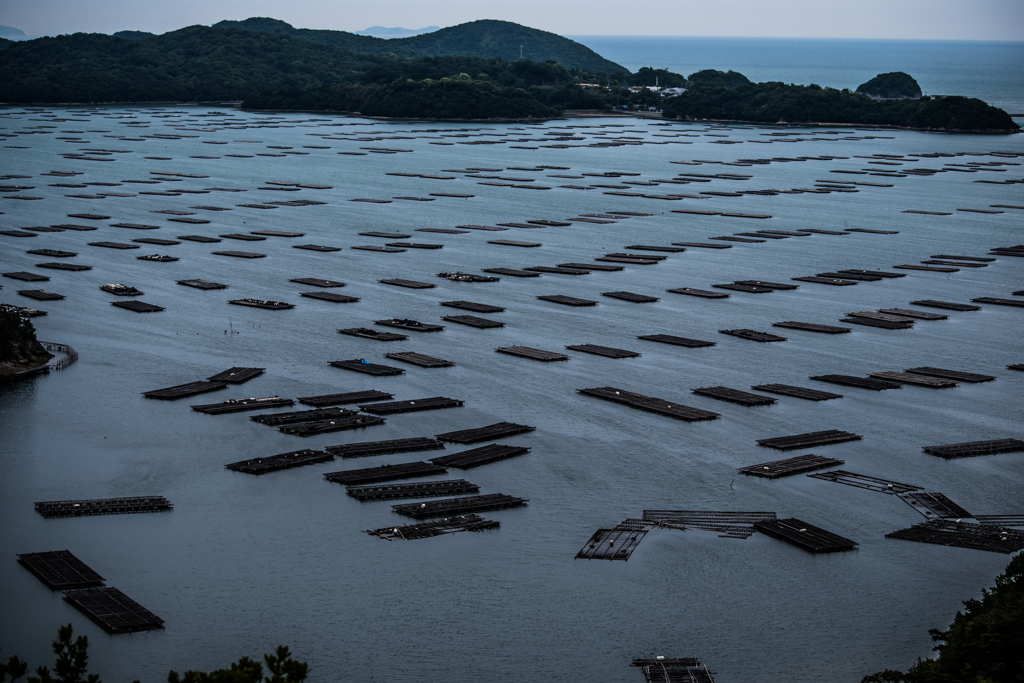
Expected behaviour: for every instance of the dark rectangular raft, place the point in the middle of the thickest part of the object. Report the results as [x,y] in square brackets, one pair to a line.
[862,481]
[910,313]
[702,293]
[650,404]
[803,535]
[396,407]
[812,327]
[790,466]
[371,475]
[103,506]
[970,449]
[60,570]
[797,392]
[678,669]
[963,535]
[327,426]
[137,306]
[753,335]
[407,324]
[185,390]
[317,282]
[423,489]
[282,461]
[631,297]
[262,303]
[946,305]
[202,284]
[410,284]
[591,266]
[473,306]
[237,375]
[998,302]
[459,506]
[557,270]
[484,455]
[934,505]
[567,300]
[494,431]
[606,351]
[950,374]
[420,359]
[411,532]
[357,365]
[277,419]
[368,333]
[735,396]
[918,380]
[324,400]
[859,382]
[808,440]
[473,321]
[613,544]
[330,296]
[368,448]
[531,353]
[676,341]
[40,295]
[114,611]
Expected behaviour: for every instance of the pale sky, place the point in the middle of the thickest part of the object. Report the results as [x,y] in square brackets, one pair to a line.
[906,19]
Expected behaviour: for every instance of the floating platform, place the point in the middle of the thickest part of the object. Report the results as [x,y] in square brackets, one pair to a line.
[420,359]
[566,300]
[103,506]
[531,353]
[56,265]
[613,544]
[557,270]
[812,327]
[1001,520]
[470,277]
[703,293]
[998,302]
[473,321]
[863,481]
[317,282]
[113,611]
[650,404]
[423,489]
[407,324]
[26,276]
[202,239]
[743,398]
[316,247]
[606,351]
[515,243]
[202,284]
[450,525]
[806,536]
[60,570]
[652,247]
[750,289]
[879,322]
[934,505]
[473,306]
[276,419]
[860,277]
[511,272]
[676,341]
[357,365]
[484,455]
[282,461]
[753,335]
[239,254]
[910,313]
[948,305]
[797,392]
[137,306]
[838,282]
[963,535]
[770,285]
[705,518]
[330,296]
[396,407]
[704,245]
[917,380]
[809,440]
[237,375]
[669,669]
[185,390]
[859,382]
[790,466]
[262,303]
[369,448]
[631,297]
[970,449]
[604,268]
[497,430]
[459,506]
[933,269]
[40,295]
[113,245]
[327,426]
[52,253]
[950,374]
[238,405]
[369,333]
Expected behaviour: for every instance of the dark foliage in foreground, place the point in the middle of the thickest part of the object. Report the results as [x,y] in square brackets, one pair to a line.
[17,339]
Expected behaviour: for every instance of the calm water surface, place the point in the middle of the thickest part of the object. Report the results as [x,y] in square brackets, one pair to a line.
[245,563]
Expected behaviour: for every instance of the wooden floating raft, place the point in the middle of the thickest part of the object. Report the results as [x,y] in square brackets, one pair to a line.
[430,529]
[369,333]
[602,267]
[963,535]
[60,570]
[558,270]
[420,359]
[238,405]
[606,351]
[948,305]
[669,669]
[998,302]
[751,289]
[494,431]
[812,327]
[330,296]
[859,382]
[909,313]
[369,448]
[971,449]
[790,466]
[371,475]
[113,245]
[950,374]
[238,375]
[566,300]
[651,247]
[704,245]
[414,490]
[239,254]
[366,368]
[511,272]
[113,611]
[743,398]
[40,295]
[459,506]
[483,455]
[863,481]
[202,284]
[103,506]
[838,282]
[650,404]
[328,426]
[614,544]
[917,380]
[468,277]
[184,390]
[317,282]
[934,505]
[473,321]
[806,536]
[706,517]
[282,461]
[26,276]
[262,303]
[407,324]
[797,392]
[56,265]
[531,353]
[808,440]
[473,306]
[753,335]
[277,419]
[396,407]
[676,341]
[1001,520]
[137,306]
[631,297]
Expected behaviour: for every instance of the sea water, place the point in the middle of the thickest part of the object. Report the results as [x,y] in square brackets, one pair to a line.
[244,563]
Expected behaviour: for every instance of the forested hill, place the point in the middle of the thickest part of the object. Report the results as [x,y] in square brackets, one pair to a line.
[485,38]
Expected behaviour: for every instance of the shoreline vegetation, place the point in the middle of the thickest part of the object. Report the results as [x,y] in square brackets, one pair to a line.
[20,351]
[469,72]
